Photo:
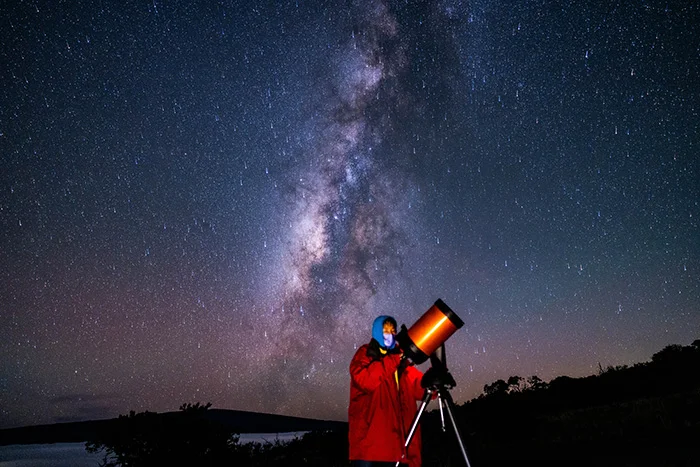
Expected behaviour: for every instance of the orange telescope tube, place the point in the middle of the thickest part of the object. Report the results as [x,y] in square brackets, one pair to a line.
[429,332]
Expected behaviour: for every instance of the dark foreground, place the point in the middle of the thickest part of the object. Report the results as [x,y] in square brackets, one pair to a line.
[645,415]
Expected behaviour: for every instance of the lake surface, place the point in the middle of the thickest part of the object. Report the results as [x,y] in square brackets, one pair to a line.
[74,454]
[47,455]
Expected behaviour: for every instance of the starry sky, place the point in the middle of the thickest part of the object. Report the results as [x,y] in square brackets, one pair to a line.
[212,200]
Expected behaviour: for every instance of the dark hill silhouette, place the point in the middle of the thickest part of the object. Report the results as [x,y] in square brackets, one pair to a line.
[236,421]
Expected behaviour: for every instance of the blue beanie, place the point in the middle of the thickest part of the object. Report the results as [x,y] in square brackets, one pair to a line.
[378,329]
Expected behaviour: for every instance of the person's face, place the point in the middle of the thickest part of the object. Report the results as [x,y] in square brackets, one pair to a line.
[389,328]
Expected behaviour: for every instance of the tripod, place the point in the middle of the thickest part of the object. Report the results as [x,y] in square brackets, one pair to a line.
[437,380]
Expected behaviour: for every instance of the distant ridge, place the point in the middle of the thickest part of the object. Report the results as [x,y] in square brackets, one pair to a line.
[238,421]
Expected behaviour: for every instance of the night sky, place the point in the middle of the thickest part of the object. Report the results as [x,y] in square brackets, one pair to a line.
[211,201]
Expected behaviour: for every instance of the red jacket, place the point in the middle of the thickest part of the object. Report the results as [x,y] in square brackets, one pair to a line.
[381,411]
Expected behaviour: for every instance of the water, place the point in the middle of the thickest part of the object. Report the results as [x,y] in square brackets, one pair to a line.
[48,455]
[75,455]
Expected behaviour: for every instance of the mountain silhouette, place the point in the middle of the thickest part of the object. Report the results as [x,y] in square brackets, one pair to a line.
[238,421]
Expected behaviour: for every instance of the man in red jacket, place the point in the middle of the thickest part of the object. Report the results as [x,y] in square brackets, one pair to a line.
[384,388]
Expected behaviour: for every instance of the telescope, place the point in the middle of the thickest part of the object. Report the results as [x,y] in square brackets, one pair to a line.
[426,339]
[428,333]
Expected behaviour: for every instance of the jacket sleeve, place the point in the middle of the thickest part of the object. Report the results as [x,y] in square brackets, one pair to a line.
[367,374]
[414,377]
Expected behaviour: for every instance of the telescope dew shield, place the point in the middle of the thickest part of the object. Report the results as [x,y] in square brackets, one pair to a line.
[429,332]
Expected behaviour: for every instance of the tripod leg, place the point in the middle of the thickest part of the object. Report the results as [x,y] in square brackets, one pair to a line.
[414,425]
[442,414]
[449,403]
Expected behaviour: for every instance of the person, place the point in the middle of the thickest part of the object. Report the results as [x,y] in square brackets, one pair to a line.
[384,390]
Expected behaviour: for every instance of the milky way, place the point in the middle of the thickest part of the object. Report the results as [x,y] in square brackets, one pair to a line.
[212,201]
[344,226]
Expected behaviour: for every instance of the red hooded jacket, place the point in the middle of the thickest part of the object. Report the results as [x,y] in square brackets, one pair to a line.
[381,410]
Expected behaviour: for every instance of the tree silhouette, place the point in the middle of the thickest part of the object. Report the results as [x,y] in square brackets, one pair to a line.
[515,384]
[534,383]
[668,354]
[495,388]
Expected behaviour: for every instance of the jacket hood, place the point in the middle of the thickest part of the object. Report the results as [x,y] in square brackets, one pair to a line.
[378,328]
